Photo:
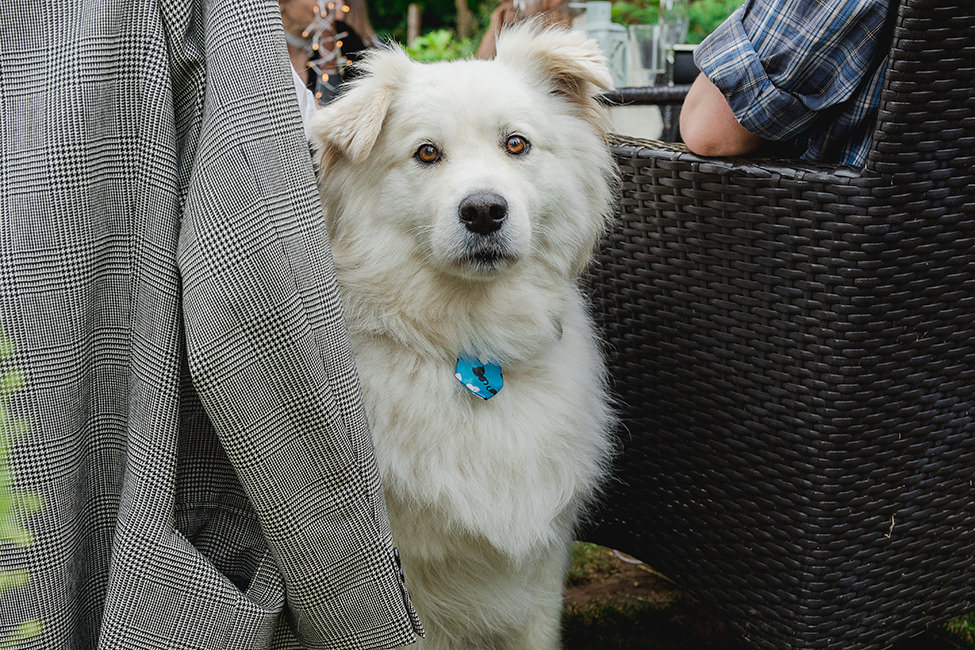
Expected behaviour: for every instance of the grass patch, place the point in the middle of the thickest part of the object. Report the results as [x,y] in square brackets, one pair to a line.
[642,625]
[611,605]
[588,561]
[963,629]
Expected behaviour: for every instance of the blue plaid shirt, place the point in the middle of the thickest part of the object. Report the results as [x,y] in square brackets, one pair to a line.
[809,73]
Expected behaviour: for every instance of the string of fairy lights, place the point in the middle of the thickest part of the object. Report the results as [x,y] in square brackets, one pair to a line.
[326,45]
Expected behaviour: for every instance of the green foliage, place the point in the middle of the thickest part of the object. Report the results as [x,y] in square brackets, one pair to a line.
[963,629]
[10,430]
[705,15]
[22,633]
[389,16]
[639,12]
[13,505]
[440,45]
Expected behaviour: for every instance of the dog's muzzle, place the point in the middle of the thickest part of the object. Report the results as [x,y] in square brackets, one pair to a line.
[483,213]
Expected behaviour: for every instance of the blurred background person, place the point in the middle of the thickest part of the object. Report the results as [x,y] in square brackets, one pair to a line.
[549,12]
[298,18]
[356,35]
[324,42]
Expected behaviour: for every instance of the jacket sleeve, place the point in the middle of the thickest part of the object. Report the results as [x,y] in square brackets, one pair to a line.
[266,344]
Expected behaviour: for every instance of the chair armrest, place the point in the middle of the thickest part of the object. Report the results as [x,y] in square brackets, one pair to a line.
[662,95]
[634,154]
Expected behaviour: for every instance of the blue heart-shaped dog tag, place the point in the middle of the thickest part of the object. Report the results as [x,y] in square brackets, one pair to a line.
[481,379]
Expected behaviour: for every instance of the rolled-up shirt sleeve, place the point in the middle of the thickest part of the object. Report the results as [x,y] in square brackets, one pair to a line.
[781,63]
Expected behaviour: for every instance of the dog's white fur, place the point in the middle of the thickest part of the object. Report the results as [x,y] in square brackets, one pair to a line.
[483,496]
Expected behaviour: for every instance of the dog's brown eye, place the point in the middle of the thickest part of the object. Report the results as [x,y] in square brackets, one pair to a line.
[516,145]
[427,154]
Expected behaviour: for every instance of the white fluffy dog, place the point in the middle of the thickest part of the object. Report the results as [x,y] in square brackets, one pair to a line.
[463,200]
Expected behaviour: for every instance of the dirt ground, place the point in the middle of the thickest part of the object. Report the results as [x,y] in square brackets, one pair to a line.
[623,604]
[625,580]
[617,603]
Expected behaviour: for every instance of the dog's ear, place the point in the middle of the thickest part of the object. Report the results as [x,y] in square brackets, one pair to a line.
[350,125]
[569,62]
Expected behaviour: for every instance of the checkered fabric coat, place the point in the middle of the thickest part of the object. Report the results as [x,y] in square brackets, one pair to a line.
[196,428]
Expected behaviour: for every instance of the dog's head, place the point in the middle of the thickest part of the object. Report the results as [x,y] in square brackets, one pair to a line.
[472,167]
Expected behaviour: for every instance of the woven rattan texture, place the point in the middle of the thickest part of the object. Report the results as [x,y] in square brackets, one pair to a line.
[793,347]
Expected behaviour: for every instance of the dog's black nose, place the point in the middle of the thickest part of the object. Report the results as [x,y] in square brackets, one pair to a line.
[483,212]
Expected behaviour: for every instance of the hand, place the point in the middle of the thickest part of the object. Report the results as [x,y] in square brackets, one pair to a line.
[503,15]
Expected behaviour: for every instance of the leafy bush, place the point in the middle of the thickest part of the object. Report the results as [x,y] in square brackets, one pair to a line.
[641,12]
[13,506]
[703,15]
[389,16]
[440,45]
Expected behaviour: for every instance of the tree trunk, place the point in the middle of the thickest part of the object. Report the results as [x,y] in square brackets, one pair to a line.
[464,19]
[413,20]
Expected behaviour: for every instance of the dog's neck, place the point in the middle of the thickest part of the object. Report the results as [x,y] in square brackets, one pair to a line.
[497,321]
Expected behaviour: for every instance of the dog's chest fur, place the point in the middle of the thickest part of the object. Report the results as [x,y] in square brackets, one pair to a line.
[513,470]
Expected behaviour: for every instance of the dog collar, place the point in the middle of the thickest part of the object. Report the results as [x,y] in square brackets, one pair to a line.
[481,379]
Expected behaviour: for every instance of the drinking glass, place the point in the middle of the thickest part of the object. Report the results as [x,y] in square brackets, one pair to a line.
[647,55]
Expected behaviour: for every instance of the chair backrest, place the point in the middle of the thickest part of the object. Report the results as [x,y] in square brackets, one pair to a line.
[927,118]
[793,346]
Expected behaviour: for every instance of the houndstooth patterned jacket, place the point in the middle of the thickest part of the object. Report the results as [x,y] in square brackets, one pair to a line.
[196,430]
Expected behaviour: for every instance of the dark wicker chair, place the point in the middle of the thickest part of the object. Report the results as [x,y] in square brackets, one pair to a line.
[793,347]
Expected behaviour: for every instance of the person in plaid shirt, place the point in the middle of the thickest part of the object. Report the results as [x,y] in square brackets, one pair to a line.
[806,75]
